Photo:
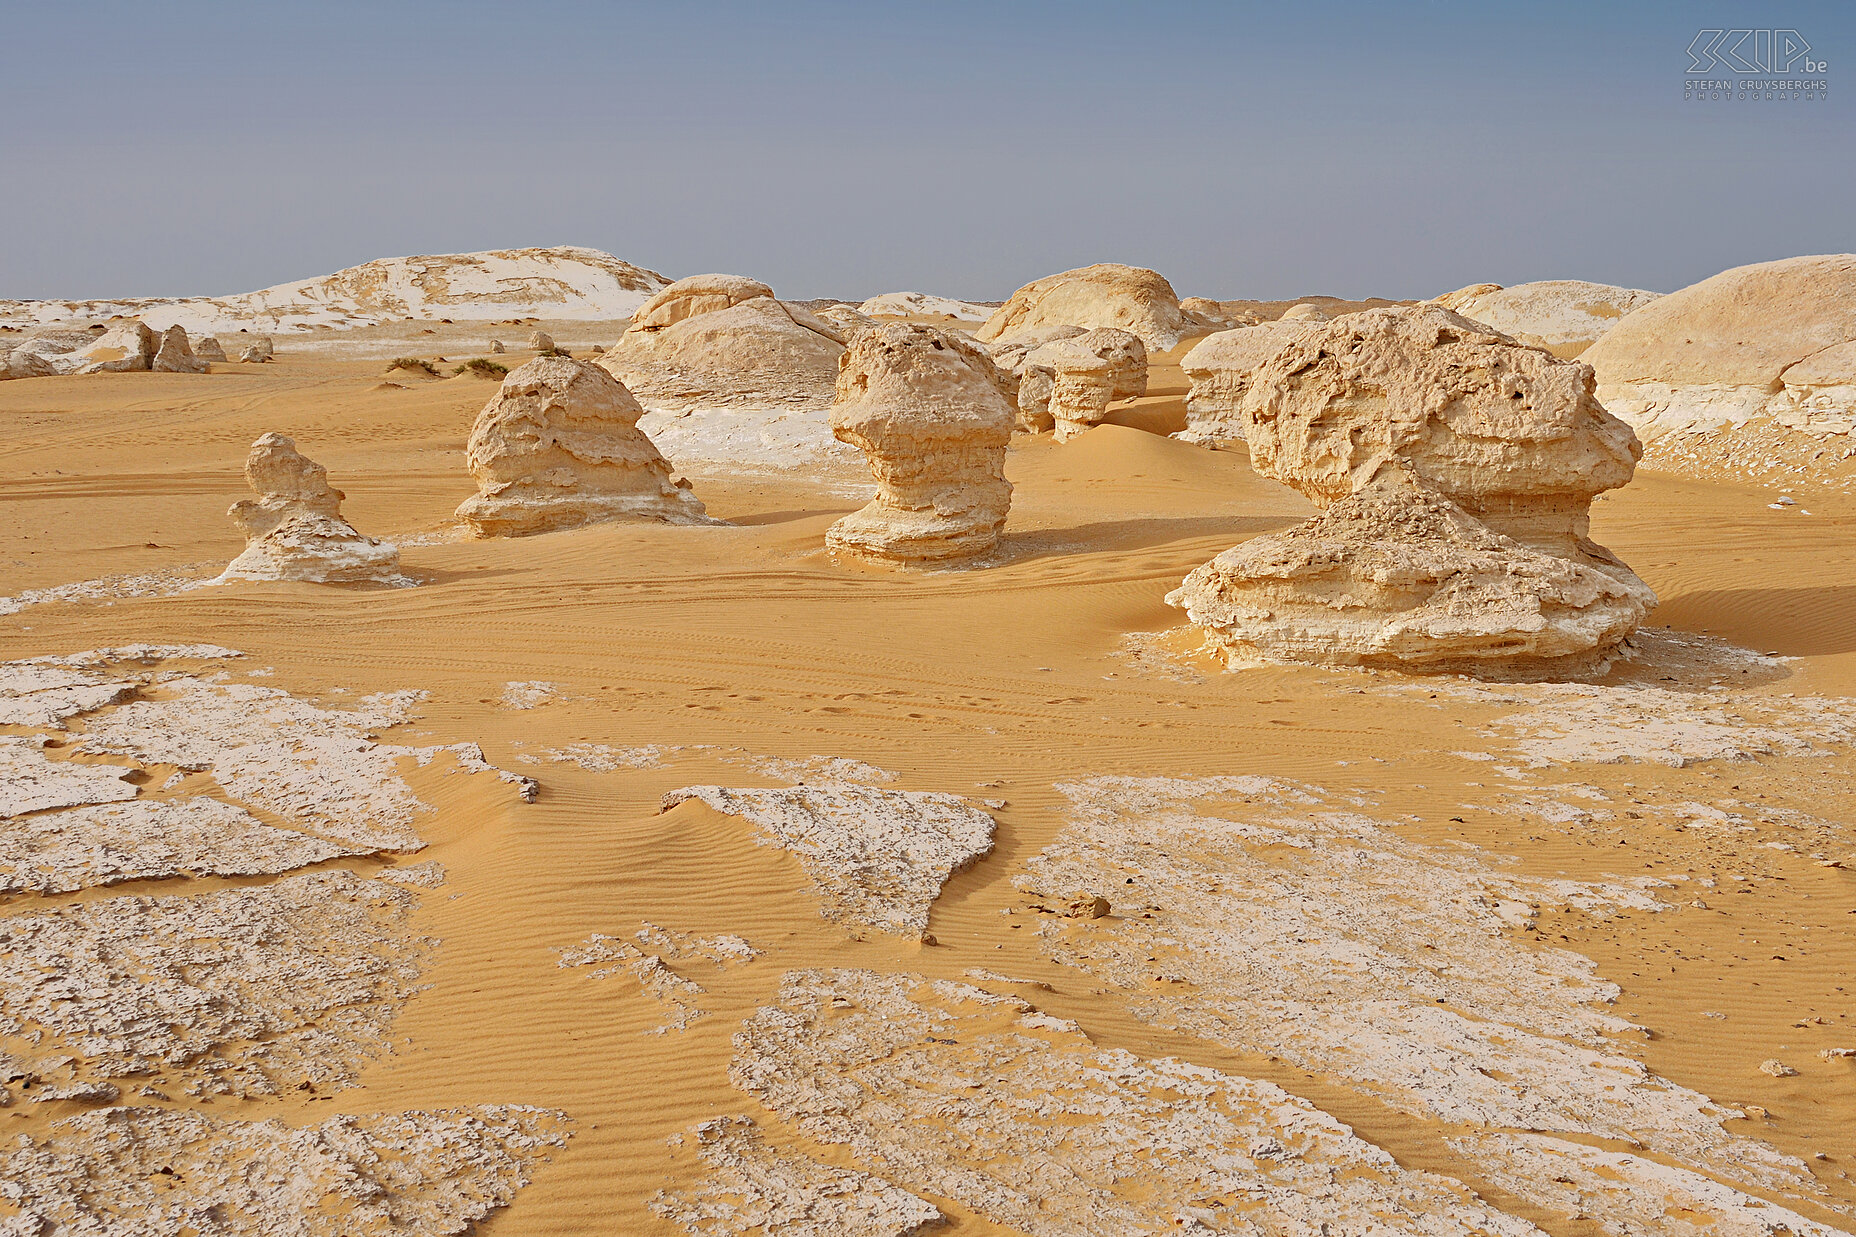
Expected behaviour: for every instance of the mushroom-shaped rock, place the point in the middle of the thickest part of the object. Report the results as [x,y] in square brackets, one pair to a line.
[924,406]
[1069,383]
[294,529]
[1219,369]
[1564,316]
[1008,355]
[208,348]
[176,355]
[720,341]
[541,341]
[559,446]
[1129,297]
[287,483]
[1776,339]
[1439,451]
[1399,577]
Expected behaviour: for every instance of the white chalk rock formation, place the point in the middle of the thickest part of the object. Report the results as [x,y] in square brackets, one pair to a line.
[718,341]
[1514,1047]
[1776,339]
[559,446]
[1210,314]
[1068,383]
[1454,300]
[877,858]
[208,348]
[541,341]
[751,1187]
[1564,316]
[496,347]
[1128,297]
[1219,369]
[1304,312]
[563,282]
[294,529]
[924,405]
[1008,355]
[1455,468]
[922,305]
[175,354]
[846,320]
[963,1094]
[124,347]
[376,1175]
[258,349]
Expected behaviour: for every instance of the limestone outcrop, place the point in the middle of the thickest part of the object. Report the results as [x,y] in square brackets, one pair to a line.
[1008,355]
[719,341]
[924,305]
[1454,300]
[258,350]
[924,406]
[175,354]
[1219,369]
[559,446]
[1304,312]
[294,529]
[1109,294]
[208,348]
[541,341]
[846,320]
[496,347]
[1564,316]
[1068,384]
[1775,339]
[1455,469]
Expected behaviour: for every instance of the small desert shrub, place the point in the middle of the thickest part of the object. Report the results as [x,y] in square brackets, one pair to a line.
[556,351]
[412,363]
[482,368]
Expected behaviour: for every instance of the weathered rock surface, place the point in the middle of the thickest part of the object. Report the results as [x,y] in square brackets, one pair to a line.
[1219,369]
[952,1091]
[1008,355]
[846,320]
[1068,383]
[752,1187]
[1209,314]
[925,407]
[1395,968]
[1456,468]
[294,529]
[208,348]
[1454,300]
[1564,316]
[152,1172]
[541,341]
[559,446]
[1304,312]
[105,844]
[1774,338]
[921,304]
[124,347]
[1128,297]
[258,349]
[31,783]
[717,341]
[877,858]
[175,355]
[245,992]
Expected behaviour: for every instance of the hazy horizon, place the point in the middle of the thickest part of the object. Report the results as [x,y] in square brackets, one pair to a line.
[837,150]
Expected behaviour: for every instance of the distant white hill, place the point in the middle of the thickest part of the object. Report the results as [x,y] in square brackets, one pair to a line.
[911,304]
[562,282]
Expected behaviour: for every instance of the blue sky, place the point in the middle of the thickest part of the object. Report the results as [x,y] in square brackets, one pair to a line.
[845,149]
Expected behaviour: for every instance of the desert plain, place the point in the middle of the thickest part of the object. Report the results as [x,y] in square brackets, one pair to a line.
[668,922]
